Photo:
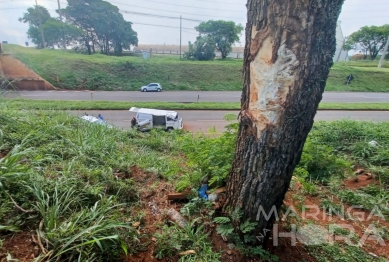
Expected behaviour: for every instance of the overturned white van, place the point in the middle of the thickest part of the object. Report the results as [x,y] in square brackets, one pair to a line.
[152,118]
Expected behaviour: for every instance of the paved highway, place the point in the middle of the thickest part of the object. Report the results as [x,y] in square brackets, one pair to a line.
[185,96]
[202,120]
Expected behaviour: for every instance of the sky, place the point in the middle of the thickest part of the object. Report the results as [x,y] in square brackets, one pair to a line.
[154,30]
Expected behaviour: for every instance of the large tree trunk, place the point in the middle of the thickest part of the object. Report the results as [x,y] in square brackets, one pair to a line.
[288,54]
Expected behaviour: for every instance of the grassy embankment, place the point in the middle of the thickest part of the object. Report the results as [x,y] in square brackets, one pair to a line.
[99,72]
[110,105]
[86,192]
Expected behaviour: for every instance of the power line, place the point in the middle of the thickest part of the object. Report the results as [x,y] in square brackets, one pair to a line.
[191,6]
[158,16]
[190,32]
[162,25]
[172,11]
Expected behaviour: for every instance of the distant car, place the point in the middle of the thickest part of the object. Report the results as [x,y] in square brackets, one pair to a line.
[151,87]
[95,120]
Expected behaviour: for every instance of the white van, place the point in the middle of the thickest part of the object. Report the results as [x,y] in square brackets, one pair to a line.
[151,118]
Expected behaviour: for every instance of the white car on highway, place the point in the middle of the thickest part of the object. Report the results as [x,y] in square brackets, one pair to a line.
[151,87]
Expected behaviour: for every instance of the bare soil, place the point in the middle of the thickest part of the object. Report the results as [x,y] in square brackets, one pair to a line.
[353,219]
[20,246]
[153,202]
[23,78]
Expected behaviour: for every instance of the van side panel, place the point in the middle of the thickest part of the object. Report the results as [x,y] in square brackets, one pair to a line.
[159,121]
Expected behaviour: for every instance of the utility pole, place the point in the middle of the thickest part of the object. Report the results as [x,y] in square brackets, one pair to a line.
[40,26]
[180,34]
[384,53]
[60,18]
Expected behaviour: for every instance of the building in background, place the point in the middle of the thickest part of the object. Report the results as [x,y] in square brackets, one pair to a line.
[340,54]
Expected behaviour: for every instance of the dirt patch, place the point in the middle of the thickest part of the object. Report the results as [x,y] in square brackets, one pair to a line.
[286,252]
[20,246]
[354,220]
[3,154]
[359,181]
[23,78]
[153,193]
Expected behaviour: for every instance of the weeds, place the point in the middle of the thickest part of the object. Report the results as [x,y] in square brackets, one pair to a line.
[208,158]
[340,252]
[242,235]
[319,162]
[77,182]
[173,240]
[331,207]
[73,183]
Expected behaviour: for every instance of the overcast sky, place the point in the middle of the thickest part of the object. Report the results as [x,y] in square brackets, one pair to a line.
[355,14]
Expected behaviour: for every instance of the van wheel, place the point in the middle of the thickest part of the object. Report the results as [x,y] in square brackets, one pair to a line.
[144,90]
[159,90]
[169,129]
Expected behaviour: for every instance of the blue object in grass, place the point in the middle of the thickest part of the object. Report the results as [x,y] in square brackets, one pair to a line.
[203,191]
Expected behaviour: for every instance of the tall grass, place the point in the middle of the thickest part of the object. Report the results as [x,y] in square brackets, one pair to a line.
[59,177]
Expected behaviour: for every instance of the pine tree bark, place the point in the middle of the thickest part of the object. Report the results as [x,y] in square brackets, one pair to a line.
[288,54]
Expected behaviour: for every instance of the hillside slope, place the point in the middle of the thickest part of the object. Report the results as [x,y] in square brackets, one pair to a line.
[21,76]
[98,72]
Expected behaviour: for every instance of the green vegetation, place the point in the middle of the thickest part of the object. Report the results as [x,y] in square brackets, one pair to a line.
[99,72]
[83,190]
[369,40]
[332,150]
[55,31]
[110,105]
[66,180]
[214,35]
[99,27]
[341,253]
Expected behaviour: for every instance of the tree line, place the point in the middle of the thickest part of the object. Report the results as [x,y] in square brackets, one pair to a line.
[214,35]
[93,24]
[369,41]
[97,25]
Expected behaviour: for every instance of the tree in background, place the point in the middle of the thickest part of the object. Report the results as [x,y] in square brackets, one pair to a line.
[369,40]
[124,38]
[288,55]
[35,17]
[223,33]
[54,30]
[202,49]
[102,25]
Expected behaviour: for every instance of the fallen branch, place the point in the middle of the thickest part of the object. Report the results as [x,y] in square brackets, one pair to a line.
[177,196]
[184,195]
[38,234]
[16,204]
[189,252]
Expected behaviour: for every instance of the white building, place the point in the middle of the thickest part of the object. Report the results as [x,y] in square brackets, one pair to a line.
[340,54]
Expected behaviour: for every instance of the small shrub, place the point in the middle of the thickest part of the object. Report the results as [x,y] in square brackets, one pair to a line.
[242,235]
[173,240]
[319,162]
